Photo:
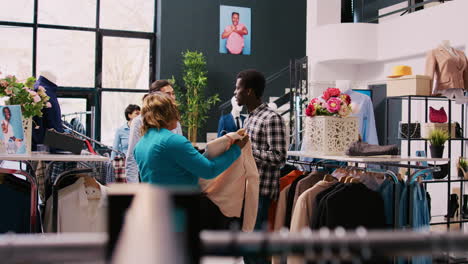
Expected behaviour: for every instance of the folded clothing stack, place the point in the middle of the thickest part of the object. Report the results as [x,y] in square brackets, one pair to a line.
[360,148]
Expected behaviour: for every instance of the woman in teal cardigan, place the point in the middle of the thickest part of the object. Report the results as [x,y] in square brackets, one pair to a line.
[168,159]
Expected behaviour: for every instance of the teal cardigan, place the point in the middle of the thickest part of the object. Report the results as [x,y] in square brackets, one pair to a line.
[165,158]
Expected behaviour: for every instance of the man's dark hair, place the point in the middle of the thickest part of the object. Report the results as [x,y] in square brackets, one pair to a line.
[6,108]
[235,13]
[130,109]
[157,85]
[252,79]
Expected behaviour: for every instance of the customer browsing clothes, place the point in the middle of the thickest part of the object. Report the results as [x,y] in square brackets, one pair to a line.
[267,134]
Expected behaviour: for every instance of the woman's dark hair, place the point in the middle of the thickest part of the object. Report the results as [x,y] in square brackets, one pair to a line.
[252,79]
[157,85]
[130,109]
[6,108]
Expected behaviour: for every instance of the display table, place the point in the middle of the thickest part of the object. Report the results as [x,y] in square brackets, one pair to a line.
[360,159]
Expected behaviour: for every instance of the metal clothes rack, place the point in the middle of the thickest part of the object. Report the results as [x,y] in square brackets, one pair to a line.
[34,195]
[331,244]
[92,113]
[94,141]
[423,172]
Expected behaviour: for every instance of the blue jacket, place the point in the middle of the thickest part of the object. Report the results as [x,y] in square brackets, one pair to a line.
[52,117]
[228,124]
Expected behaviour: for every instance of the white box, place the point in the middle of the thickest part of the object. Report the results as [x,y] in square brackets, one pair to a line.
[409,85]
[329,135]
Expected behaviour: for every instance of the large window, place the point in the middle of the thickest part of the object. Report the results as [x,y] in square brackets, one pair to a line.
[99,53]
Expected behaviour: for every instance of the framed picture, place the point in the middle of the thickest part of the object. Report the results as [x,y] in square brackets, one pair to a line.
[235,30]
[12,133]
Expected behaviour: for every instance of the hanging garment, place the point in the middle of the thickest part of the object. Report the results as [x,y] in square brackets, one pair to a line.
[350,208]
[227,123]
[118,165]
[15,215]
[284,181]
[308,182]
[303,211]
[364,110]
[290,201]
[77,125]
[447,71]
[281,209]
[305,206]
[236,185]
[77,213]
[51,117]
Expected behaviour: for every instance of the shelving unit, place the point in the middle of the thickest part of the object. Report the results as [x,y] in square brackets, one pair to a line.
[392,140]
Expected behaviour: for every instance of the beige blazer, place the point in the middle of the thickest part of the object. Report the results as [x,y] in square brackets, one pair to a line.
[238,183]
[447,71]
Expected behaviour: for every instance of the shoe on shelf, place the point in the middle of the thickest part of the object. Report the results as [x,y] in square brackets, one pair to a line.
[453,206]
[464,210]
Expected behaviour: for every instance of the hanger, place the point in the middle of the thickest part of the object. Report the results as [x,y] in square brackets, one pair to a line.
[392,175]
[328,178]
[354,180]
[89,181]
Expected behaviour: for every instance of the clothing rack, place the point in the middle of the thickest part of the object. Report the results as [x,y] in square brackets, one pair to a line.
[77,113]
[34,195]
[94,141]
[327,244]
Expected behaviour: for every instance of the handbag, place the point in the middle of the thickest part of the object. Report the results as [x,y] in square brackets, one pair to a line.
[414,130]
[63,141]
[437,116]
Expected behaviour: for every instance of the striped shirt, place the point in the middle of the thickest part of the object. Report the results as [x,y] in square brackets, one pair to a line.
[266,130]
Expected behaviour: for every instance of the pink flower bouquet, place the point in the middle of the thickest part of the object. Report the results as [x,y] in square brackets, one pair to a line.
[331,103]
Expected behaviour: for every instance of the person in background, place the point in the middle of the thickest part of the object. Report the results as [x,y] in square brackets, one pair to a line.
[122,133]
[131,168]
[168,159]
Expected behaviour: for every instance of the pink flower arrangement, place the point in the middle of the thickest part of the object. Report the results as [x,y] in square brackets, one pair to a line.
[22,93]
[331,103]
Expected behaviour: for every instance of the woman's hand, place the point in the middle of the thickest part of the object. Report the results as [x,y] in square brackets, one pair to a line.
[241,142]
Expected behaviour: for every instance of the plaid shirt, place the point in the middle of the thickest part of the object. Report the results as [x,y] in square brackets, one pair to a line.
[267,133]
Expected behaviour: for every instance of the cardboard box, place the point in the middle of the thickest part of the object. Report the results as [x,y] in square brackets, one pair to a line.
[409,85]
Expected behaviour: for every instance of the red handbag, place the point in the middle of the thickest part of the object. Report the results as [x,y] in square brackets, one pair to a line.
[437,116]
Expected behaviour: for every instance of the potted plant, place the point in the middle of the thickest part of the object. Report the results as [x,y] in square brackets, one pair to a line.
[462,166]
[193,104]
[437,140]
[329,129]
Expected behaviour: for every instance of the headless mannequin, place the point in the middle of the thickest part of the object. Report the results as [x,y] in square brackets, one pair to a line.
[49,76]
[455,93]
[235,112]
[445,44]
[345,87]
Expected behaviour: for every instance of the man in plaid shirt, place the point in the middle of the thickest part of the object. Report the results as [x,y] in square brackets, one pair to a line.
[266,130]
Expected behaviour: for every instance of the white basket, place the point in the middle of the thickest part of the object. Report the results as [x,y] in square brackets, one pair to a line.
[329,135]
[427,128]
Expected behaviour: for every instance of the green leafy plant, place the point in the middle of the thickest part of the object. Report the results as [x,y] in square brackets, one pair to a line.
[20,93]
[193,104]
[463,163]
[438,137]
